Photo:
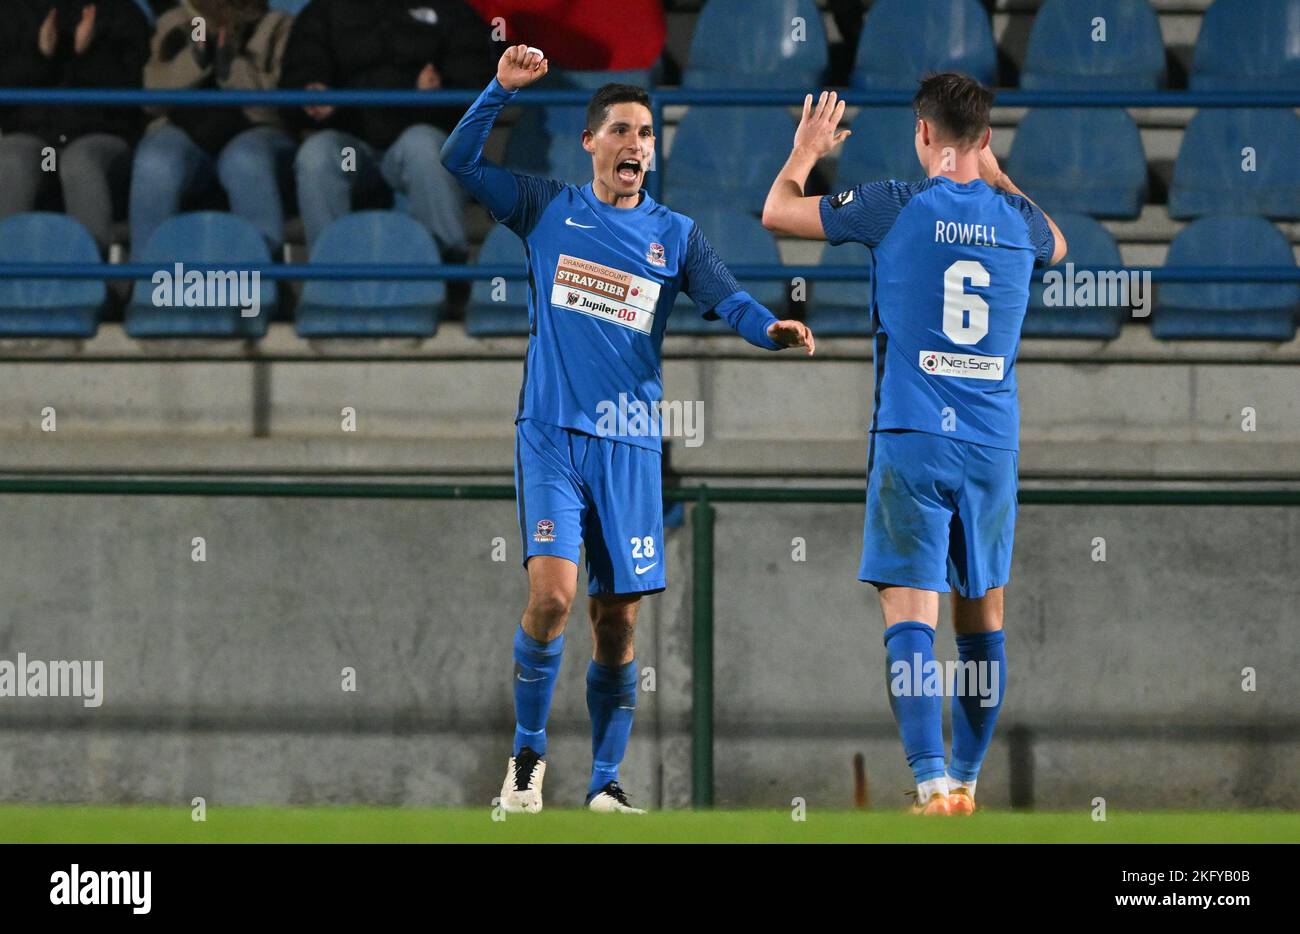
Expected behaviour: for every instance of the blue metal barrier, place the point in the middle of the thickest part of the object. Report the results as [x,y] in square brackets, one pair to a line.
[401,272]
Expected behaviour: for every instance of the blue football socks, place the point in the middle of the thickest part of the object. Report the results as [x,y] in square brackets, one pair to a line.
[909,653]
[537,665]
[611,701]
[975,713]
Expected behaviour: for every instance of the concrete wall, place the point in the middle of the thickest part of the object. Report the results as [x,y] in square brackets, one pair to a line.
[1129,408]
[222,678]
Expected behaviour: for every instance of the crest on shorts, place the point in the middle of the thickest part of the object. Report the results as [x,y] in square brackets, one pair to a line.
[655,254]
[545,531]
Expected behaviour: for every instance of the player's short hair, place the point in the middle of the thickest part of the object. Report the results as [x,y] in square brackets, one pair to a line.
[607,96]
[956,104]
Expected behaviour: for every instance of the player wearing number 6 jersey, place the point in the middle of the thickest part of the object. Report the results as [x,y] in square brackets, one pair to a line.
[953,257]
[605,263]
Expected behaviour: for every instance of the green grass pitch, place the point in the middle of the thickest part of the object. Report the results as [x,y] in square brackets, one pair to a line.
[78,824]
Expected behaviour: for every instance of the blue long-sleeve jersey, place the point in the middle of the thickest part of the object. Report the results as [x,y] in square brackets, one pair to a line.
[602,281]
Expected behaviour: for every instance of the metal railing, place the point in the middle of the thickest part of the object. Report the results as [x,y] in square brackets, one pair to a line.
[703,518]
[406,272]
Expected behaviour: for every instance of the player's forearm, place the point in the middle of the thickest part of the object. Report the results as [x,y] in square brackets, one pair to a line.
[462,154]
[749,319]
[1006,184]
[787,210]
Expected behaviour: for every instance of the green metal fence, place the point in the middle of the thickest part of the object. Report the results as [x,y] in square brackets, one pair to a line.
[703,517]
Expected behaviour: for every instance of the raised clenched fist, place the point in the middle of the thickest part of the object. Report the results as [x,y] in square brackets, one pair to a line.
[520,66]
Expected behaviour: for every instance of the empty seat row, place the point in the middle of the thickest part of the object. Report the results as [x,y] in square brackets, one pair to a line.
[1081,160]
[329,308]
[1099,45]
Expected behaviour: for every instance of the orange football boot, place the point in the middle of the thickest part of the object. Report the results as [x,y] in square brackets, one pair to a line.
[960,801]
[938,804]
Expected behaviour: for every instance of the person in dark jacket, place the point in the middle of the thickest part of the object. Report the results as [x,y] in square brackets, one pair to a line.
[191,152]
[388,44]
[77,44]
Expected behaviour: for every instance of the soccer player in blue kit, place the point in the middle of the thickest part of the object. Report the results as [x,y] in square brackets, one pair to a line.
[953,257]
[605,263]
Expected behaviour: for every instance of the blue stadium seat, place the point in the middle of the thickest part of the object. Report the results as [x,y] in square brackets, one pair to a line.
[882,147]
[547,141]
[1064,56]
[842,309]
[749,44]
[903,39]
[1248,45]
[200,237]
[48,307]
[292,7]
[1090,244]
[1208,176]
[1084,160]
[483,316]
[1198,310]
[372,307]
[738,239]
[726,156]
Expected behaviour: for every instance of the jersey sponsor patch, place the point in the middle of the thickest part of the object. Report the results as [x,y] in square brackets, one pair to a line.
[605,293]
[963,366]
[843,198]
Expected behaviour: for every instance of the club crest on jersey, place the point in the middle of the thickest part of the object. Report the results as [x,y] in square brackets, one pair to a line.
[843,198]
[655,254]
[545,531]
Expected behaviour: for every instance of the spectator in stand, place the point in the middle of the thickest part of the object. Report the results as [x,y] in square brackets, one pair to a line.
[191,152]
[425,44]
[582,35]
[70,44]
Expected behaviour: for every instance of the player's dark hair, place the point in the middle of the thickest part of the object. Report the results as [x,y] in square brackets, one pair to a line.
[956,104]
[609,95]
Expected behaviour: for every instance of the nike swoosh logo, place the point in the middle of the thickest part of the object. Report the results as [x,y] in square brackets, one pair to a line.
[529,680]
[642,570]
[571,223]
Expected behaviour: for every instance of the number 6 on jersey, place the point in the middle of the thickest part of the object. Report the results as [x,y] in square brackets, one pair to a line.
[957,302]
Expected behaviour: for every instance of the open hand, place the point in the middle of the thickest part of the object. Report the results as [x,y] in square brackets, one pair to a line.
[818,130]
[790,333]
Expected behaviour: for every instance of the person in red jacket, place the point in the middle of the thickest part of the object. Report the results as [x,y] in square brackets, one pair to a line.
[581,35]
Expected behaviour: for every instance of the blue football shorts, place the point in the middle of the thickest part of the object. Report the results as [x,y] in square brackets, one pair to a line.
[941,513]
[573,488]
